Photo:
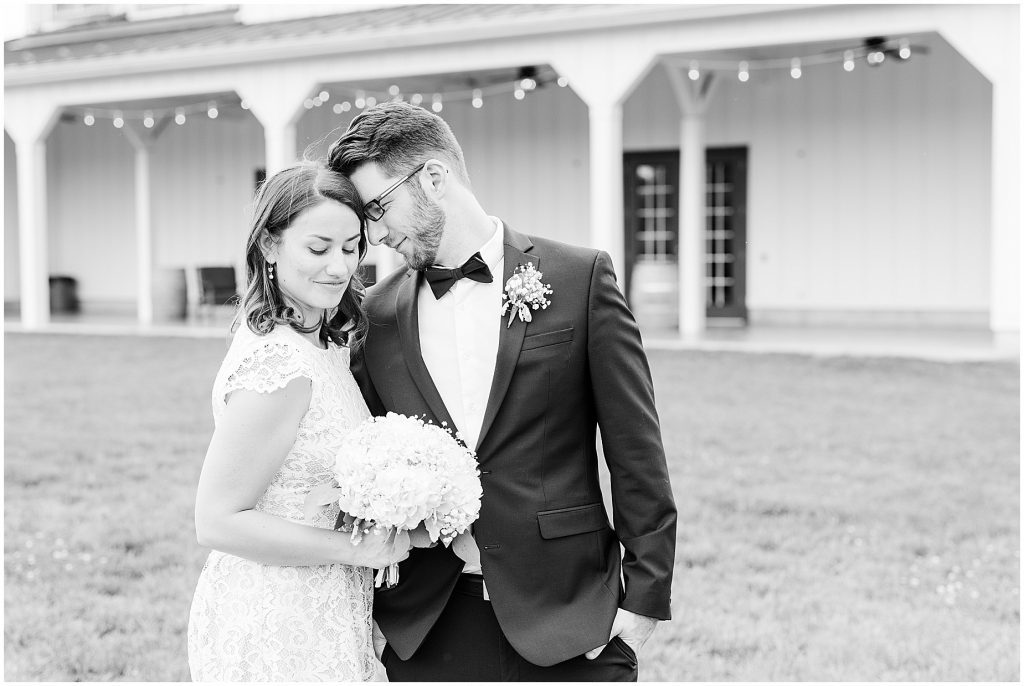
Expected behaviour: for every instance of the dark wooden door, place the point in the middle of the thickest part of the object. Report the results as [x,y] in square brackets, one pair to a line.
[725,236]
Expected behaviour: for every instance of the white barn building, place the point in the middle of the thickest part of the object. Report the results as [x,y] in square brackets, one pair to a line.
[751,164]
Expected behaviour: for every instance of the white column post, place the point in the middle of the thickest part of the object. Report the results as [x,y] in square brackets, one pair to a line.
[142,141]
[606,193]
[29,123]
[276,101]
[603,75]
[33,230]
[1004,298]
[693,98]
[988,37]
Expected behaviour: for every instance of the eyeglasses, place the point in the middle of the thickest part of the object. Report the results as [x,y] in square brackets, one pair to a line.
[373,209]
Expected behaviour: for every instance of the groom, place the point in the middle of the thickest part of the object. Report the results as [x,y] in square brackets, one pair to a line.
[535,592]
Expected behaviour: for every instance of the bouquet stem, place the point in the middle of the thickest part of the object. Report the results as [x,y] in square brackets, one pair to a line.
[388,577]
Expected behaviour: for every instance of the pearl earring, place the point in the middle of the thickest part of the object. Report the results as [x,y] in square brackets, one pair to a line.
[270,271]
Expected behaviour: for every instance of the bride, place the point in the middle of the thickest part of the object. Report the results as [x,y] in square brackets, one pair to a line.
[280,598]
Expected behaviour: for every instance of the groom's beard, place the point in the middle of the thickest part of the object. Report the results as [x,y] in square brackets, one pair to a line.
[428,220]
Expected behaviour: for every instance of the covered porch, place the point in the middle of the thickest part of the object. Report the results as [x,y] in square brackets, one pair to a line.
[835,233]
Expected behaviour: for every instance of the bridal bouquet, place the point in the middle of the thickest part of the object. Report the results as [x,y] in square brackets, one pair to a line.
[398,472]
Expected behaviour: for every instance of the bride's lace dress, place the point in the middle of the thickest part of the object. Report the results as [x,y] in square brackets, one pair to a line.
[259,622]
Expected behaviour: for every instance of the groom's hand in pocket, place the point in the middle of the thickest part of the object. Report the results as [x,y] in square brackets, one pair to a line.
[632,628]
[379,641]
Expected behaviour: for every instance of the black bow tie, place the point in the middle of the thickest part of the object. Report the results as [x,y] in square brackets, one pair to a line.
[441,280]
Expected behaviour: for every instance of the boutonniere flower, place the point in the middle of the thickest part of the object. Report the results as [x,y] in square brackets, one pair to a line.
[524,292]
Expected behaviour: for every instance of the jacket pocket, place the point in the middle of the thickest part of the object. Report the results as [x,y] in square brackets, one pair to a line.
[541,340]
[572,520]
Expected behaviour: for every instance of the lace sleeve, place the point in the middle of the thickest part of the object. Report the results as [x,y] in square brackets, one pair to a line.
[265,368]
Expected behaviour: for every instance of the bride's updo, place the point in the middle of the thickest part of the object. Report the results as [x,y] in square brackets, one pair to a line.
[279,200]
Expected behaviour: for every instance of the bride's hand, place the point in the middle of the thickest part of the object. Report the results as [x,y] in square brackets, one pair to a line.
[378,549]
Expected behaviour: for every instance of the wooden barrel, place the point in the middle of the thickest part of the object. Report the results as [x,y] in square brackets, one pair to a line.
[654,295]
[169,296]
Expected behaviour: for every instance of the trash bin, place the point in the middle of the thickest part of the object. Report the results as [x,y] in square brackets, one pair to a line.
[63,294]
[169,302]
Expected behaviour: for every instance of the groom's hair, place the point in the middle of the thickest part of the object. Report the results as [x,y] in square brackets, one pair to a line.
[396,136]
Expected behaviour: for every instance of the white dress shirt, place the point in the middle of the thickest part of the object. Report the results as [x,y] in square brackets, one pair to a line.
[459,344]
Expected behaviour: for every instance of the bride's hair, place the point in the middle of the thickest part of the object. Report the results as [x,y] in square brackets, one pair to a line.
[279,200]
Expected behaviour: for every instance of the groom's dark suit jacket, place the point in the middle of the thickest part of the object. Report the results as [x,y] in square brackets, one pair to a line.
[551,561]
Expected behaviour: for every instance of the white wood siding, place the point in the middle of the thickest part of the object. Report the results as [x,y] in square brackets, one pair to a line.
[91,200]
[867,190]
[528,160]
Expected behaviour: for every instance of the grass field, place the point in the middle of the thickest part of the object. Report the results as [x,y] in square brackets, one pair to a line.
[840,519]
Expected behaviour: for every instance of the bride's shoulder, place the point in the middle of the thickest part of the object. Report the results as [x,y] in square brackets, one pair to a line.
[264,353]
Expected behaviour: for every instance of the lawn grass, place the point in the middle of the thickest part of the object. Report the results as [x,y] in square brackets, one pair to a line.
[840,518]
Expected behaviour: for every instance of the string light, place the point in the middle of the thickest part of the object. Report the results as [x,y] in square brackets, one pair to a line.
[874,52]
[118,120]
[308,103]
[394,90]
[437,105]
[324,96]
[416,98]
[89,119]
[179,116]
[212,111]
[370,101]
[478,98]
[744,72]
[562,82]
[360,100]
[519,93]
[244,104]
[148,120]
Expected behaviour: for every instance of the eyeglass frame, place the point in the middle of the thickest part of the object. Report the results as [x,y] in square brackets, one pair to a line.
[387,191]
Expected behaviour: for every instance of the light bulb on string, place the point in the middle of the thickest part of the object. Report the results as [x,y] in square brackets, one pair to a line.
[875,58]
[394,90]
[519,93]
[88,119]
[562,82]
[794,68]
[317,101]
[848,63]
[212,111]
[324,96]
[308,103]
[416,98]
[346,106]
[360,100]
[337,108]
[528,84]
[437,105]
[478,98]
[904,49]
[244,104]
[744,72]
[694,72]
[179,116]
[370,101]
[118,120]
[147,120]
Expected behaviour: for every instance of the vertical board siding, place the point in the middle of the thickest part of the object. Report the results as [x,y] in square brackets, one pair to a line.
[12,269]
[528,160]
[204,178]
[91,205]
[867,190]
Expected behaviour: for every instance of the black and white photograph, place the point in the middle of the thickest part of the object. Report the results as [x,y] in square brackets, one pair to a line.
[538,342]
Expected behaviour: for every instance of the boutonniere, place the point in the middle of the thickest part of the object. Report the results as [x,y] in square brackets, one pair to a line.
[524,292]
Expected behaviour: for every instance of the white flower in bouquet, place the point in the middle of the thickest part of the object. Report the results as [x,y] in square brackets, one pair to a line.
[398,472]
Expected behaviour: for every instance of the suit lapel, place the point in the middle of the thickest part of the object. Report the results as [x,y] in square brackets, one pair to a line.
[409,330]
[510,338]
